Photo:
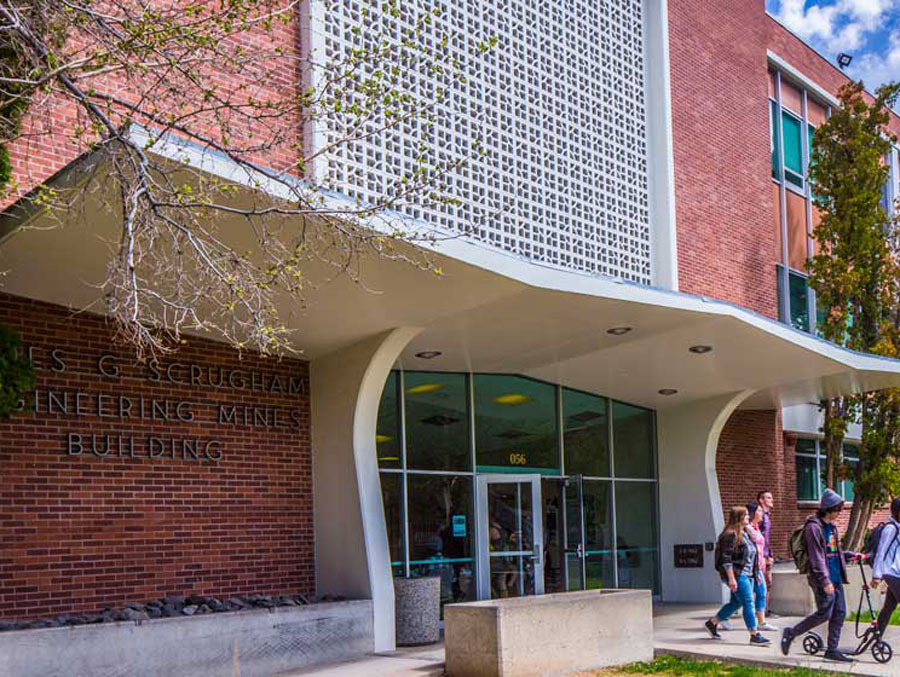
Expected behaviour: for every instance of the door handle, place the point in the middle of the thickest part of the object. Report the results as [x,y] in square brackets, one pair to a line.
[579,551]
[538,554]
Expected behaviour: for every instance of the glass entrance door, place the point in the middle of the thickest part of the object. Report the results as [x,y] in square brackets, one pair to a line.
[510,541]
[574,534]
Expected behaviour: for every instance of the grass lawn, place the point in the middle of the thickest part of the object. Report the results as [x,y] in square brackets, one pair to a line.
[671,665]
[866,617]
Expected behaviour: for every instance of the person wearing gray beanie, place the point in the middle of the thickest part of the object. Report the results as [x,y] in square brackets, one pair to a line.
[826,576]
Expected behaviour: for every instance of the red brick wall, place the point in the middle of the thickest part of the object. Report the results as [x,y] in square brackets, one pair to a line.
[48,140]
[810,63]
[720,128]
[79,532]
[720,125]
[750,458]
[754,454]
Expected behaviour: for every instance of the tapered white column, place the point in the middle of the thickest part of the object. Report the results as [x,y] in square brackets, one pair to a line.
[690,507]
[351,545]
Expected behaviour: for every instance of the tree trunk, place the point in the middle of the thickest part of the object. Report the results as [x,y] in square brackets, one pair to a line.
[858,525]
[833,429]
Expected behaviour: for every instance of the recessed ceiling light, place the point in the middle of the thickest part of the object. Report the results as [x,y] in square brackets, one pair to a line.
[512,399]
[424,388]
[429,354]
[700,350]
[667,391]
[618,331]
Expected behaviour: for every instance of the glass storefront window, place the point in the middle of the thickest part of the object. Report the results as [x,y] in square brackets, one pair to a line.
[636,550]
[633,441]
[595,530]
[440,532]
[392,498]
[515,425]
[585,434]
[387,429]
[598,554]
[437,421]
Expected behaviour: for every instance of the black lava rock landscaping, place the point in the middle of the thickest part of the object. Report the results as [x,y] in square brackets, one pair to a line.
[168,607]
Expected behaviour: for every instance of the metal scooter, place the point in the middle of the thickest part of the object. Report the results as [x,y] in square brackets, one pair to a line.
[869,639]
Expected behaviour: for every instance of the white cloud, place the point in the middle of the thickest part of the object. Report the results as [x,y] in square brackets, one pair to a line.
[875,68]
[847,26]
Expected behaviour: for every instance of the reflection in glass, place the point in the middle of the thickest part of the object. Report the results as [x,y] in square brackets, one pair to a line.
[437,421]
[440,532]
[597,499]
[387,429]
[633,442]
[511,539]
[585,434]
[515,424]
[636,551]
[574,533]
[807,477]
[512,576]
[554,550]
[392,497]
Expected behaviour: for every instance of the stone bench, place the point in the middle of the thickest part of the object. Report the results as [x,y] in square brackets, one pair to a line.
[548,634]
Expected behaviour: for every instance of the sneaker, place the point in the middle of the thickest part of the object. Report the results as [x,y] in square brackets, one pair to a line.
[759,640]
[787,636]
[713,630]
[836,656]
[767,627]
[772,614]
[724,625]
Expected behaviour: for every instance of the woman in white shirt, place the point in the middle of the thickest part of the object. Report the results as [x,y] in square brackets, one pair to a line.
[886,566]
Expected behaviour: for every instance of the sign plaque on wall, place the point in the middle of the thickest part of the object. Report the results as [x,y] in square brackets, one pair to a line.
[689,556]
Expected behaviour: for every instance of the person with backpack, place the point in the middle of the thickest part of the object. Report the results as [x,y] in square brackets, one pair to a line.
[737,561]
[817,551]
[886,566]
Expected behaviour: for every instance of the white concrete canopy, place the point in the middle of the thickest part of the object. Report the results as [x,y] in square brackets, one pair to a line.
[488,311]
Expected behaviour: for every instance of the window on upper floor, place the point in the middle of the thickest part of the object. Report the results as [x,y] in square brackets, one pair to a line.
[809,457]
[794,115]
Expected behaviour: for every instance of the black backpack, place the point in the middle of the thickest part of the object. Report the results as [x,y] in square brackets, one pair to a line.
[873,539]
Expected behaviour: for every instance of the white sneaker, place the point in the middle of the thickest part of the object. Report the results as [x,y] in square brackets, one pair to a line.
[724,625]
[768,627]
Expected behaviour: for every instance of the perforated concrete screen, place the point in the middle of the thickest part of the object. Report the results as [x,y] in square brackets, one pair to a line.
[559,105]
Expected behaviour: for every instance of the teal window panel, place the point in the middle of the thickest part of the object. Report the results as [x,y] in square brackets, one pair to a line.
[799,301]
[774,141]
[793,154]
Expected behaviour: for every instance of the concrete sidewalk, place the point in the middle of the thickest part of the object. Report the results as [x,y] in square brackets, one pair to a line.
[677,628]
[425,661]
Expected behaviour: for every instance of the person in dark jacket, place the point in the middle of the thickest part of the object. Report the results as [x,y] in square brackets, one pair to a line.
[738,566]
[827,577]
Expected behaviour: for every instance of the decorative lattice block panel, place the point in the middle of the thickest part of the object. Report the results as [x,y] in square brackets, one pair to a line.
[559,105]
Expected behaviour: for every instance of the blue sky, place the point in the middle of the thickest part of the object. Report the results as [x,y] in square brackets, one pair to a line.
[869,30]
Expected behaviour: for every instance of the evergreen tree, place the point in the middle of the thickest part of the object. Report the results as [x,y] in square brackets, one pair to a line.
[856,278]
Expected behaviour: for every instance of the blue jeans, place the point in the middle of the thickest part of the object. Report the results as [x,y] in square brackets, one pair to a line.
[742,598]
[759,590]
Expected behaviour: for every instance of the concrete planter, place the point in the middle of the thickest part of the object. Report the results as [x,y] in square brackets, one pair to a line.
[792,596]
[417,605]
[247,644]
[548,634]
